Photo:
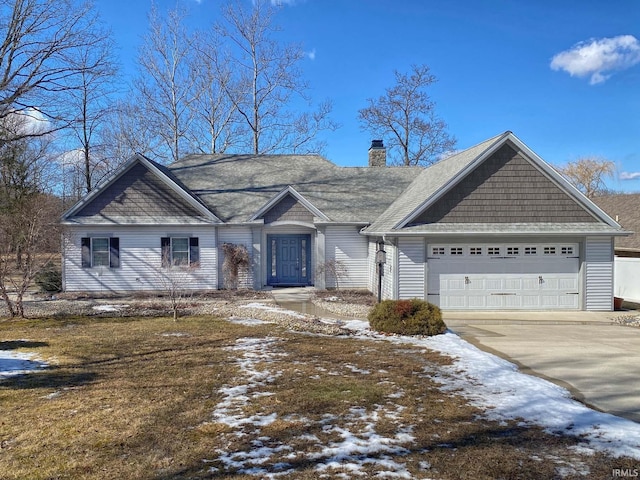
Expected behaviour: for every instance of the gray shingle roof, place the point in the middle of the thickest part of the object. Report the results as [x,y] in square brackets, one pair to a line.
[234,187]
[625,209]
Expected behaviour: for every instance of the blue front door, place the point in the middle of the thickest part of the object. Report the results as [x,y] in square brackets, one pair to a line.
[289,259]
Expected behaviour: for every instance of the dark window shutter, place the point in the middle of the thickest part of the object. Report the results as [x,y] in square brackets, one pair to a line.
[85,243]
[114,249]
[165,245]
[194,252]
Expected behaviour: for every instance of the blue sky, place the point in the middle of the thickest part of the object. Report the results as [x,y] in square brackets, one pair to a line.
[563,76]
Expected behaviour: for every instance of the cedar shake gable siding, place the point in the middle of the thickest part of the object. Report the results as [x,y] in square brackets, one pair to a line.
[138,193]
[288,209]
[505,188]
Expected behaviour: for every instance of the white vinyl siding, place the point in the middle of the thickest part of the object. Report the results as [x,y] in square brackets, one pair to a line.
[344,244]
[388,279]
[372,268]
[140,260]
[626,284]
[599,274]
[411,268]
[236,236]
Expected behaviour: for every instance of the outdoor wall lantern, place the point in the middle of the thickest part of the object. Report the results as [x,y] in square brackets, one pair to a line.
[381,259]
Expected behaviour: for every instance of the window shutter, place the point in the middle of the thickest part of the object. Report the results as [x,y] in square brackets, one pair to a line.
[114,252]
[85,244]
[165,245]
[194,252]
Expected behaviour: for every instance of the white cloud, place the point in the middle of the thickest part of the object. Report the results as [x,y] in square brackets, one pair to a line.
[597,57]
[312,54]
[629,175]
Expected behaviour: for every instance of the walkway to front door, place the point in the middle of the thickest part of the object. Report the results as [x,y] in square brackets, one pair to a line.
[289,259]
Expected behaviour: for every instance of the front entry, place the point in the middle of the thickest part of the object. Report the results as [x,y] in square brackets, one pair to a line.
[289,260]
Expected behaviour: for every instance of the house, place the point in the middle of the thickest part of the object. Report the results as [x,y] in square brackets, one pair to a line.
[492,227]
[625,209]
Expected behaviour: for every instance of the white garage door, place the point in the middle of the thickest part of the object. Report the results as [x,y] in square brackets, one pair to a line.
[504,276]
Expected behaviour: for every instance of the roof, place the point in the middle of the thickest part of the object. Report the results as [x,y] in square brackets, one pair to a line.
[236,187]
[625,209]
[427,184]
[139,192]
[443,176]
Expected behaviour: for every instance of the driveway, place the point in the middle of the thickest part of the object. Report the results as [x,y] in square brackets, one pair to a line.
[596,360]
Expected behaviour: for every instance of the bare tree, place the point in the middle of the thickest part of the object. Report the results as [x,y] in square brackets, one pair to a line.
[216,125]
[37,40]
[92,107]
[27,212]
[34,215]
[235,264]
[125,134]
[336,269]
[588,174]
[405,116]
[174,281]
[269,82]
[165,85]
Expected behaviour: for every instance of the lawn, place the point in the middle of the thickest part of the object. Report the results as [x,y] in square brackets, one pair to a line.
[150,398]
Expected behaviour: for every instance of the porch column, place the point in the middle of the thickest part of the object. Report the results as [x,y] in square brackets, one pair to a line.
[320,282]
[257,261]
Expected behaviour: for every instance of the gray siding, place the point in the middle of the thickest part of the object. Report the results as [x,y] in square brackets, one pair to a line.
[344,244]
[140,260]
[138,194]
[411,268]
[506,188]
[288,209]
[599,274]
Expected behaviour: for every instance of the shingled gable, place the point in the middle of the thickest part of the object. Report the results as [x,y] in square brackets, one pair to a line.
[139,192]
[289,205]
[500,183]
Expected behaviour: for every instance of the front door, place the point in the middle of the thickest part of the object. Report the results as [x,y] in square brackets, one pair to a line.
[289,259]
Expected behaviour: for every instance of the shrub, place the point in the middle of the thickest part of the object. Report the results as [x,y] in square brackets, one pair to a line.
[49,279]
[407,317]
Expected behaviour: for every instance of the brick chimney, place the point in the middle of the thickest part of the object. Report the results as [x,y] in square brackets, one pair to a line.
[377,154]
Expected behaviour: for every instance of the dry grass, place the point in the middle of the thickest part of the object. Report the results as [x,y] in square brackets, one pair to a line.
[133,398]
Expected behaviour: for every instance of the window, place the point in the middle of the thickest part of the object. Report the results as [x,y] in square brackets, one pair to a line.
[437,251]
[182,251]
[566,250]
[549,250]
[530,250]
[513,250]
[455,251]
[100,252]
[493,250]
[475,250]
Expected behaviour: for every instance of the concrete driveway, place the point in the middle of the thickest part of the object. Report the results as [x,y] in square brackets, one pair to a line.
[585,352]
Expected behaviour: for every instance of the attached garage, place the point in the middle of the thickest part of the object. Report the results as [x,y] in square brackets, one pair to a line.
[497,276]
[495,227]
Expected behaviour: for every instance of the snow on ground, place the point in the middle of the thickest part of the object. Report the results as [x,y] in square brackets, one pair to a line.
[267,308]
[504,393]
[487,381]
[16,363]
[109,308]
[358,443]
